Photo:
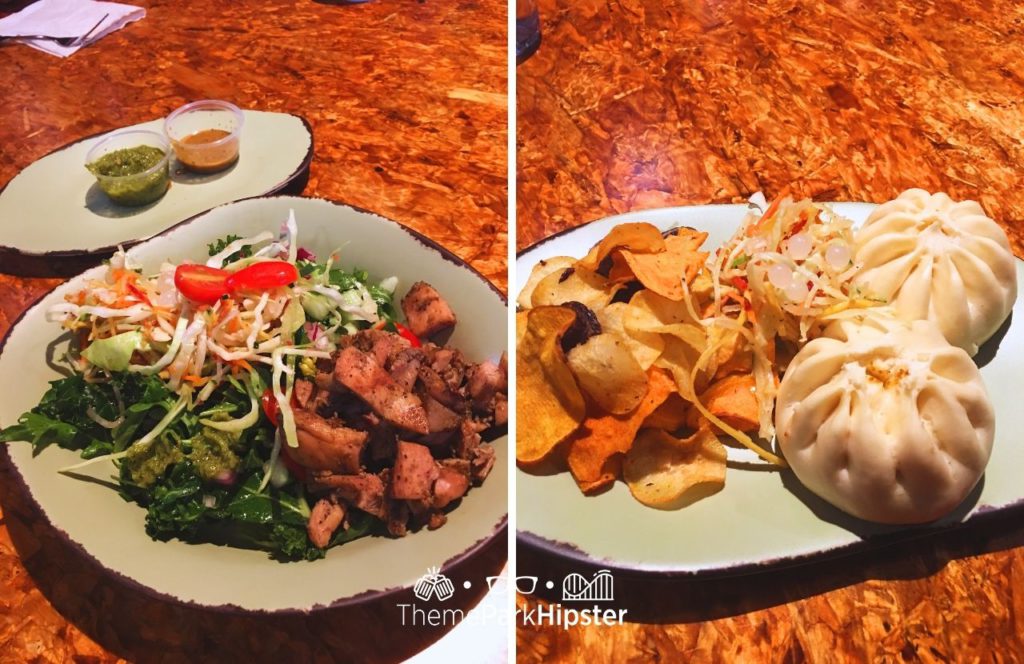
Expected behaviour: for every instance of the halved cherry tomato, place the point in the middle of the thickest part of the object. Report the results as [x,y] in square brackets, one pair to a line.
[270,407]
[407,334]
[263,276]
[200,283]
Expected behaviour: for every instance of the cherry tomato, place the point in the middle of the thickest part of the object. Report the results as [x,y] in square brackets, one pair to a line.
[270,407]
[200,283]
[407,334]
[263,276]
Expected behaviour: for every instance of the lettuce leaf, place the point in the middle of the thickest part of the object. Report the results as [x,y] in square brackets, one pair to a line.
[113,353]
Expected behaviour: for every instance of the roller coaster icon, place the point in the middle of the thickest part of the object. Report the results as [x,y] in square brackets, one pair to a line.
[600,588]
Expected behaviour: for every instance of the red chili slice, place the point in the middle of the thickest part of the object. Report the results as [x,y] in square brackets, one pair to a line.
[407,334]
[200,283]
[270,407]
[263,276]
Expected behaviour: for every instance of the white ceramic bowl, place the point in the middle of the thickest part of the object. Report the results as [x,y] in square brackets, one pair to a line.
[103,526]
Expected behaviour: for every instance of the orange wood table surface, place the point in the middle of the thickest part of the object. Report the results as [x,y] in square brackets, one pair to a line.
[634,104]
[408,106]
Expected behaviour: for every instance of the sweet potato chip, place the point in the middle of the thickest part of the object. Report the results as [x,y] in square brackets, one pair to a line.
[549,405]
[541,270]
[595,452]
[733,400]
[607,371]
[573,284]
[645,346]
[669,473]
[670,415]
[620,271]
[663,272]
[521,318]
[639,237]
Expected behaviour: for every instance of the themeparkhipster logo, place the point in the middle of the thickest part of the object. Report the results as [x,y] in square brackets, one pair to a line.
[575,588]
[434,590]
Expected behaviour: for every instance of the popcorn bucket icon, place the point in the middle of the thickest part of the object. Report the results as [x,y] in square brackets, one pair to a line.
[435,584]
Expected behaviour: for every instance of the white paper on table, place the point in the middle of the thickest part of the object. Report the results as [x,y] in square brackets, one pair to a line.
[68,18]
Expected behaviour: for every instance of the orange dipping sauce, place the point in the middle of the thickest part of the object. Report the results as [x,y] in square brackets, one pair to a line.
[207,151]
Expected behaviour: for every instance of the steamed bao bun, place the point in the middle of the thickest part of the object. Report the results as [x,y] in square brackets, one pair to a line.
[931,257]
[885,419]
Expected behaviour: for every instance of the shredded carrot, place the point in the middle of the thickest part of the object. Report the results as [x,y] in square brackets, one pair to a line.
[765,220]
[238,365]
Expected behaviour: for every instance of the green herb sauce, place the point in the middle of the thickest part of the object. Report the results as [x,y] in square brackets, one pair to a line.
[114,172]
[147,463]
[213,452]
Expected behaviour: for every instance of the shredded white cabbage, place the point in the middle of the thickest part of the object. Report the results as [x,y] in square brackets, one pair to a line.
[217,260]
[778,271]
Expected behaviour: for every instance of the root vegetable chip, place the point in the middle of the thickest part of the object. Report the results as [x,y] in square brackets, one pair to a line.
[607,371]
[595,452]
[670,415]
[668,473]
[653,310]
[680,359]
[663,272]
[549,405]
[573,284]
[541,270]
[733,400]
[639,237]
[645,346]
[734,354]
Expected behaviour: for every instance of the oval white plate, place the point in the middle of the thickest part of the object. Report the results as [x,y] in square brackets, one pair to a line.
[111,530]
[756,520]
[53,207]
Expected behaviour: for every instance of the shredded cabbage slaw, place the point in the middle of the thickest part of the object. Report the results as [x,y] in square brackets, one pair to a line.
[144,322]
[783,274]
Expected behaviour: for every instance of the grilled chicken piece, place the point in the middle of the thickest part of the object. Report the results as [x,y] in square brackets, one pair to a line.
[500,410]
[481,462]
[364,491]
[325,445]
[485,380]
[405,367]
[381,344]
[438,389]
[360,373]
[439,417]
[324,519]
[452,482]
[414,473]
[426,312]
